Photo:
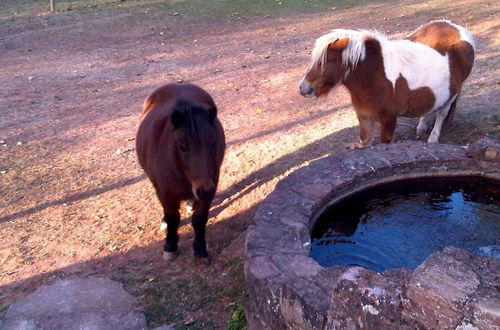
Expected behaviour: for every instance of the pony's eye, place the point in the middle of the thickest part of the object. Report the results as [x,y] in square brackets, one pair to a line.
[181,148]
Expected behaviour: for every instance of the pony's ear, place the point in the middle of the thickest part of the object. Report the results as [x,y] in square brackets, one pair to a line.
[212,113]
[177,118]
[339,44]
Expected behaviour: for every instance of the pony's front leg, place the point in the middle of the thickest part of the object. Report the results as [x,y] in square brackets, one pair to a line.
[387,128]
[172,218]
[425,123]
[365,133]
[440,118]
[199,222]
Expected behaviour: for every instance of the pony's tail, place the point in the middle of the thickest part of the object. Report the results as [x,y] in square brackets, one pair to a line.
[451,112]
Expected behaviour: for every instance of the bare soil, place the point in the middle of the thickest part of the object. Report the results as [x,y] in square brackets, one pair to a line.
[75,202]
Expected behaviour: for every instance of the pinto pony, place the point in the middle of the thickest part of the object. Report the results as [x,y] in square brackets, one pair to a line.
[420,76]
[180,145]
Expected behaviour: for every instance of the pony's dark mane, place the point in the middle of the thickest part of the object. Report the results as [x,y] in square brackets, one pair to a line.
[196,119]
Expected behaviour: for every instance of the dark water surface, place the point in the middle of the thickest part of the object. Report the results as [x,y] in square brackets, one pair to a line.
[400,224]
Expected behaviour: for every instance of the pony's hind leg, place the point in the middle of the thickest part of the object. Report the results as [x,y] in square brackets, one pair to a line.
[172,218]
[425,123]
[199,222]
[440,118]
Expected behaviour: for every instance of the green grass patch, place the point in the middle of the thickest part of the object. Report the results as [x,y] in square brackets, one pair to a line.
[240,8]
[237,320]
[209,9]
[171,302]
[3,310]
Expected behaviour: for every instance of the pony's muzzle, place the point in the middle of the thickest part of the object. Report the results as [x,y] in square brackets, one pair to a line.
[205,194]
[306,89]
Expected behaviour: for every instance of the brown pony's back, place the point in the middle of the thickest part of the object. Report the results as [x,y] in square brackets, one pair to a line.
[170,92]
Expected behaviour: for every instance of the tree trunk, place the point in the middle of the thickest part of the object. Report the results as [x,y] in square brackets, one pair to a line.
[52,6]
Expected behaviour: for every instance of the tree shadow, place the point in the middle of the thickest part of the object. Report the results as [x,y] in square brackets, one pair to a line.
[280,166]
[287,126]
[60,120]
[73,198]
[219,234]
[107,110]
[97,191]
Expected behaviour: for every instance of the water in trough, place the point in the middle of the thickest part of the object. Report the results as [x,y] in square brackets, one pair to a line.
[400,224]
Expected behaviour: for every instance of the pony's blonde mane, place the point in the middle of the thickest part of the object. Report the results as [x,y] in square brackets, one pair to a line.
[353,52]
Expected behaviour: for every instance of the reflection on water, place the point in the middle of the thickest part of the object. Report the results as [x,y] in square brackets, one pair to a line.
[400,224]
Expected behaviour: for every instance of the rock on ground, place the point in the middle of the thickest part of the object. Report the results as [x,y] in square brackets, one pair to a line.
[91,303]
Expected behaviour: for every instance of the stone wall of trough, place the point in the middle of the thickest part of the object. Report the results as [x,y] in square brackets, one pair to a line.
[286,289]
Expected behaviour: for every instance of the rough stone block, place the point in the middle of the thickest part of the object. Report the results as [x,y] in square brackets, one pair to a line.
[299,265]
[91,303]
[440,287]
[303,305]
[262,301]
[365,299]
[269,240]
[107,319]
[487,148]
[486,313]
[315,191]
[262,267]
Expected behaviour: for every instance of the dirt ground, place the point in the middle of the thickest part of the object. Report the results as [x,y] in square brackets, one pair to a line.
[75,202]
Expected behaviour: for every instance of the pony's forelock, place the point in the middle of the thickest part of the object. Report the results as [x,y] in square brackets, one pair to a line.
[353,52]
[196,118]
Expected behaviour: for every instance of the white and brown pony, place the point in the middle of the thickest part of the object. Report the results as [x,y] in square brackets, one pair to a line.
[420,76]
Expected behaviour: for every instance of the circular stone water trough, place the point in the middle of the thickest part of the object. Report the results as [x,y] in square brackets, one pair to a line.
[286,289]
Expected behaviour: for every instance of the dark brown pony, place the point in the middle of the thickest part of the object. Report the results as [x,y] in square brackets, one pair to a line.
[420,76]
[180,145]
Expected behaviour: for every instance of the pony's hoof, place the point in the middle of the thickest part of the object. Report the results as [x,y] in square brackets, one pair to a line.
[354,145]
[170,256]
[433,138]
[421,134]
